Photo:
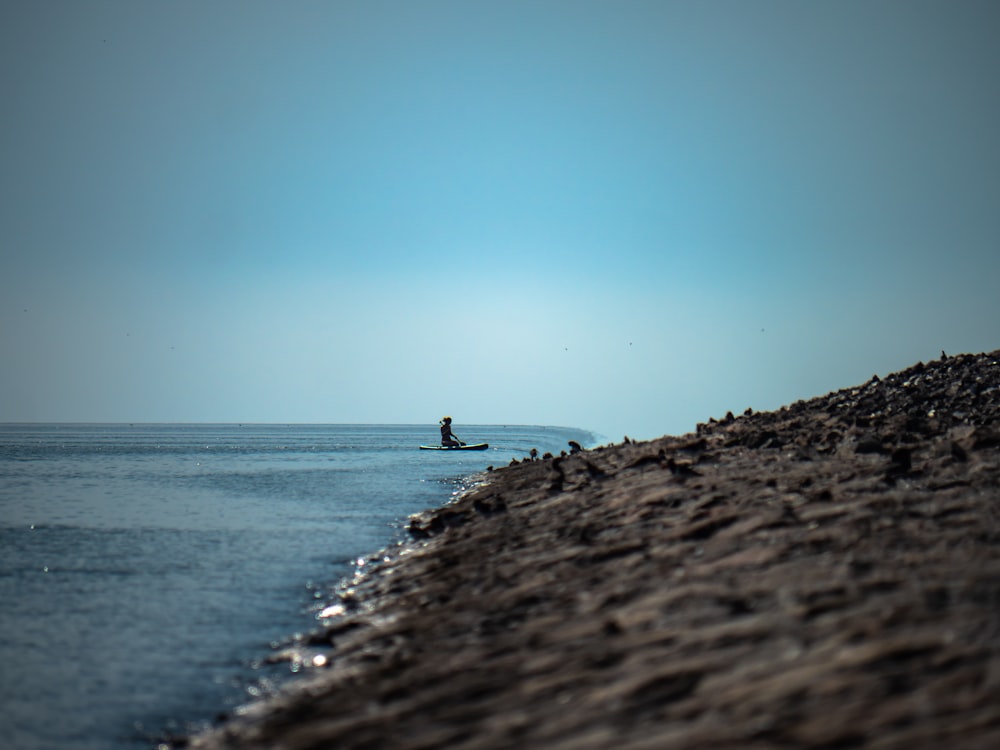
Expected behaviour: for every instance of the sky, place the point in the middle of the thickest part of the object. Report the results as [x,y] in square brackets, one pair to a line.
[626,217]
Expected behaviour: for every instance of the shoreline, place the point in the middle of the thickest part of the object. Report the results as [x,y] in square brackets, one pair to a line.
[827,574]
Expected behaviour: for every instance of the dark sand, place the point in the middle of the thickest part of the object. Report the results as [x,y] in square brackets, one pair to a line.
[827,575]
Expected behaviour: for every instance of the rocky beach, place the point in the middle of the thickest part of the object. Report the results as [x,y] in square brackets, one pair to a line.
[826,575]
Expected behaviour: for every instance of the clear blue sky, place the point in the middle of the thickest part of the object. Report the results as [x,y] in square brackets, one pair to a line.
[621,216]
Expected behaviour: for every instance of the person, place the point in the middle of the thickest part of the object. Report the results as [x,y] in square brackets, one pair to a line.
[448,439]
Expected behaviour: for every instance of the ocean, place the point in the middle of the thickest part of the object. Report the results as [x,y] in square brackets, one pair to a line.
[147,571]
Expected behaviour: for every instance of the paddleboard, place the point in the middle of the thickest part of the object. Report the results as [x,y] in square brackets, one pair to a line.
[473,447]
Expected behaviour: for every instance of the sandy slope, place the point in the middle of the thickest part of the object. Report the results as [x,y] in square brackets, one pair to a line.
[827,575]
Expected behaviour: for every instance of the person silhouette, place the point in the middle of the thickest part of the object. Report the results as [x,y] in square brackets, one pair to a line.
[449,439]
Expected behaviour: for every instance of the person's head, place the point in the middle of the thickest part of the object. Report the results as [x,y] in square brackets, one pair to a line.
[446,420]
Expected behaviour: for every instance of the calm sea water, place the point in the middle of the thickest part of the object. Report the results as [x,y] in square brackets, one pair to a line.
[145,570]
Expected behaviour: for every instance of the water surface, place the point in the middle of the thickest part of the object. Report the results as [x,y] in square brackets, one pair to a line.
[145,569]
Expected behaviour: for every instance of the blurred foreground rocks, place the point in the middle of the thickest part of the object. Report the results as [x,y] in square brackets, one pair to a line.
[826,575]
